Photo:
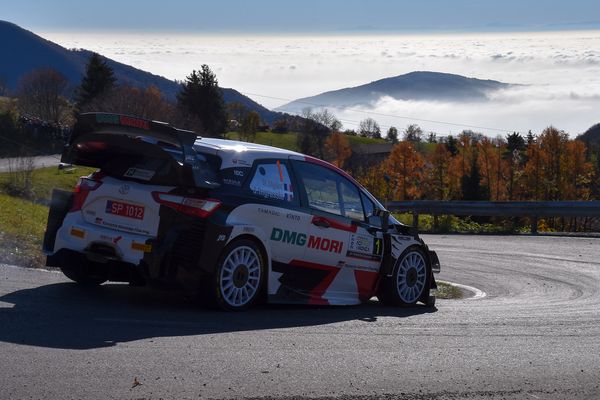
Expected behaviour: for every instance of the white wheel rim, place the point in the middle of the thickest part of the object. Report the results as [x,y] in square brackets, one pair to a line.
[240,276]
[411,277]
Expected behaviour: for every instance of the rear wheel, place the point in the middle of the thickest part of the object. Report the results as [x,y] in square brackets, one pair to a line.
[410,281]
[239,276]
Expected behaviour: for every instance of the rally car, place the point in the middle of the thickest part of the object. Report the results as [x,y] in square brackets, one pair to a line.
[234,222]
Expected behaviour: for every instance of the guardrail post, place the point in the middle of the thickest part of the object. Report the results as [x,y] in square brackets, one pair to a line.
[534,224]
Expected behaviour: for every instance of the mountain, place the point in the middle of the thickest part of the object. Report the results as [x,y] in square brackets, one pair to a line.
[420,85]
[23,51]
[592,135]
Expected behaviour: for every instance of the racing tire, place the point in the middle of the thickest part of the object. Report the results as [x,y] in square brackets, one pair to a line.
[240,276]
[409,282]
[86,273]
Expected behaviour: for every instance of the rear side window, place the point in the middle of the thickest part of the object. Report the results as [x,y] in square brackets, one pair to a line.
[271,180]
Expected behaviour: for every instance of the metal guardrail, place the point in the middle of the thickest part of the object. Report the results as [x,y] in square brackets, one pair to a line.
[532,209]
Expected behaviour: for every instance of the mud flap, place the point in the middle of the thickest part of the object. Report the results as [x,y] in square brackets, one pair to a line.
[388,262]
[60,205]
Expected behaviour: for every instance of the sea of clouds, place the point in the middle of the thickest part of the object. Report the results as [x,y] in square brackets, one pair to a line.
[558,72]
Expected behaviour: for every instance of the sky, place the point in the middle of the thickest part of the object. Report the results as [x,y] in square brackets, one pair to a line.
[307,16]
[278,51]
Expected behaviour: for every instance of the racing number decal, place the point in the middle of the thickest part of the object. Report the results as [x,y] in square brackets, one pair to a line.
[377,246]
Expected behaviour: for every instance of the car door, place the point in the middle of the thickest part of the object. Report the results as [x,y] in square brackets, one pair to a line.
[339,243]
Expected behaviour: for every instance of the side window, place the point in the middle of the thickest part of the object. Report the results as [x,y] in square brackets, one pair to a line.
[330,192]
[351,201]
[271,180]
[321,188]
[369,210]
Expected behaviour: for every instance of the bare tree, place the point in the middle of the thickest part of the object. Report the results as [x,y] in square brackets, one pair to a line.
[413,133]
[41,94]
[369,128]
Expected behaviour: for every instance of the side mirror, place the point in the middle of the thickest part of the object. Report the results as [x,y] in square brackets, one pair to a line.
[385,220]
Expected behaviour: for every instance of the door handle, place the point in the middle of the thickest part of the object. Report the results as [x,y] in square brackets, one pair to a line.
[321,222]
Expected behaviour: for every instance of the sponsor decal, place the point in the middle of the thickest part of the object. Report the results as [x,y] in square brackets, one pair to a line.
[134,122]
[312,241]
[293,217]
[138,173]
[269,211]
[240,162]
[365,248]
[231,182]
[221,238]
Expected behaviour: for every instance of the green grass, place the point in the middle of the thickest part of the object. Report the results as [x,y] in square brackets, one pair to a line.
[447,291]
[46,179]
[23,222]
[288,140]
[450,223]
[22,228]
[281,140]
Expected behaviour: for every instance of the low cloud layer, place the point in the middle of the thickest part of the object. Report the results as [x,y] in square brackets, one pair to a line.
[559,72]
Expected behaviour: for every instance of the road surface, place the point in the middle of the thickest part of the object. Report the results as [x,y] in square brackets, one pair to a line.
[6,164]
[535,335]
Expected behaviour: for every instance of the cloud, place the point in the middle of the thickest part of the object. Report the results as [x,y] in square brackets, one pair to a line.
[559,71]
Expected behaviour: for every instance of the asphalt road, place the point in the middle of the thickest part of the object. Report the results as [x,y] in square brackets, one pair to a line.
[535,335]
[7,164]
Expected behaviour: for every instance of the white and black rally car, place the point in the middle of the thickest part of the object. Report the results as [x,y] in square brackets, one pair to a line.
[235,222]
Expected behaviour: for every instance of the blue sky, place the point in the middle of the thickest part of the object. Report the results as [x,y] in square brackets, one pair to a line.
[307,16]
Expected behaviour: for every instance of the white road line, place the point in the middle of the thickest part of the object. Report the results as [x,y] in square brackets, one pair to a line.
[478,294]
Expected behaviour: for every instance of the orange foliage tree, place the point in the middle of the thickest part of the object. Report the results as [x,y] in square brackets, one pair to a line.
[405,168]
[338,148]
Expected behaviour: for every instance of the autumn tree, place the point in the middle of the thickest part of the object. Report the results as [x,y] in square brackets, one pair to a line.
[338,147]
[437,174]
[99,80]
[405,166]
[533,172]
[41,94]
[552,144]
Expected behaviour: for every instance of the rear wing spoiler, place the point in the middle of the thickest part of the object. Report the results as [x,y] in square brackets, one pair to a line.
[116,124]
[97,136]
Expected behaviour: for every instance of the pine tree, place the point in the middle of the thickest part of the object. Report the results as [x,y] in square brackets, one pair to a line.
[201,97]
[98,81]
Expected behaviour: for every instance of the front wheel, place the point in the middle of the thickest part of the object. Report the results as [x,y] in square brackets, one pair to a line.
[239,277]
[410,281]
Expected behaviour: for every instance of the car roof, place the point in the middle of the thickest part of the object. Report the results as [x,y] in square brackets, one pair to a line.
[254,149]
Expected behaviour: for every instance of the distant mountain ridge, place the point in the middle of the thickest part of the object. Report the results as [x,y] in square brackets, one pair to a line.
[22,51]
[418,85]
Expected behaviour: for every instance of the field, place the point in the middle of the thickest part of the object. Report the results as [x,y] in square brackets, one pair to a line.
[288,140]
